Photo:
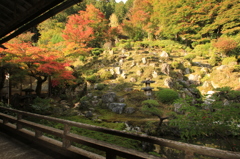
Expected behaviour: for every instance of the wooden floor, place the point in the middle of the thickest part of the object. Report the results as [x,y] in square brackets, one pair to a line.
[11,148]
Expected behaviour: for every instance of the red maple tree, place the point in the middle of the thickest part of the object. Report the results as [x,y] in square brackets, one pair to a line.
[37,62]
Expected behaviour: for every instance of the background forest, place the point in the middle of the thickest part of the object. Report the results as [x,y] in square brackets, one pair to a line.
[95,55]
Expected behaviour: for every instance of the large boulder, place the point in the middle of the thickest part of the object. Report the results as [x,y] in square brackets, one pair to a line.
[165,68]
[129,110]
[117,107]
[194,79]
[109,97]
[169,82]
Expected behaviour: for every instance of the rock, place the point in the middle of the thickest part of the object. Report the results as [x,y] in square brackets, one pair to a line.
[120,62]
[129,110]
[123,51]
[144,60]
[107,46]
[89,114]
[177,107]
[209,99]
[164,54]
[152,65]
[109,97]
[123,75]
[222,67]
[112,71]
[121,100]
[204,70]
[179,74]
[133,64]
[128,89]
[89,95]
[169,82]
[118,70]
[111,52]
[165,68]
[197,64]
[214,85]
[226,102]
[207,84]
[194,79]
[117,107]
[187,71]
[132,79]
[139,72]
[154,74]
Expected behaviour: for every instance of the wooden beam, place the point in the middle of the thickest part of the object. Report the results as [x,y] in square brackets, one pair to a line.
[2,7]
[40,19]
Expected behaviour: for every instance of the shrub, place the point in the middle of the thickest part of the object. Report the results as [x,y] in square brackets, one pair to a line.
[106,75]
[225,45]
[100,86]
[237,68]
[96,51]
[92,79]
[41,106]
[203,49]
[175,64]
[189,57]
[214,60]
[229,60]
[167,95]
[82,58]
[90,72]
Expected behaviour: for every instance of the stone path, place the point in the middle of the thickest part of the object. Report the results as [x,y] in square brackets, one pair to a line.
[11,148]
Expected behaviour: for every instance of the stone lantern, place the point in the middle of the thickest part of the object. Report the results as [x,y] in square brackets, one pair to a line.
[147,89]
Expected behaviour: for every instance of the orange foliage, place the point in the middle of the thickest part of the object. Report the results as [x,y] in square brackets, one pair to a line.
[225,45]
[37,61]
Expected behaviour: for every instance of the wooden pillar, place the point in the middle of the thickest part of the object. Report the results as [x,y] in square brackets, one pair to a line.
[19,125]
[66,142]
[38,133]
[110,155]
[189,154]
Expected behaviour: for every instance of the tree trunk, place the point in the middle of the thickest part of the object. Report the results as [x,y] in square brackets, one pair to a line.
[161,121]
[40,81]
[2,77]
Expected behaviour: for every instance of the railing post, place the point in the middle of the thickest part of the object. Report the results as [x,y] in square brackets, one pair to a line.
[189,154]
[5,121]
[19,117]
[38,133]
[110,155]
[66,142]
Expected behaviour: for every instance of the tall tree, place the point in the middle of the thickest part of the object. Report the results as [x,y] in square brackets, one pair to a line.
[138,20]
[88,28]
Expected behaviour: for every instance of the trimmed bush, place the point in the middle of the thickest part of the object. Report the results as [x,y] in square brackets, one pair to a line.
[96,51]
[229,60]
[167,96]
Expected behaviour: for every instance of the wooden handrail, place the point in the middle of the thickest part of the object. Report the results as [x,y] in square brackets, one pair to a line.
[111,150]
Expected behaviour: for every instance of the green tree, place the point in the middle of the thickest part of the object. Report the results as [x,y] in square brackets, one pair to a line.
[120,11]
[151,107]
[217,118]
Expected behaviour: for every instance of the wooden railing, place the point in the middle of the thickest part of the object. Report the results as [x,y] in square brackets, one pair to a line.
[16,124]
